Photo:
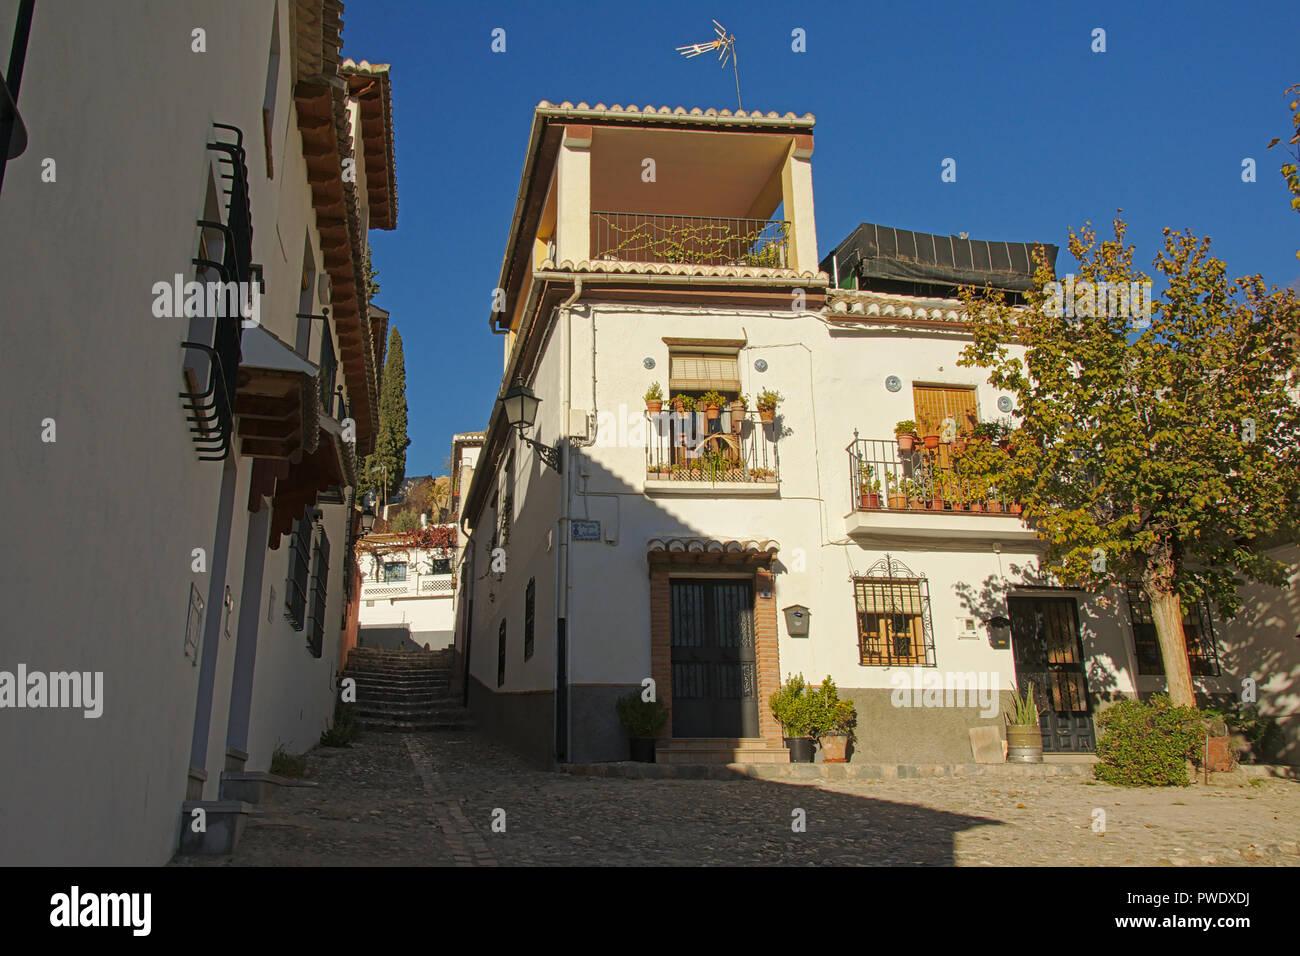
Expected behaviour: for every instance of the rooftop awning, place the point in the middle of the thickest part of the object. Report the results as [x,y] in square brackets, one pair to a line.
[883,252]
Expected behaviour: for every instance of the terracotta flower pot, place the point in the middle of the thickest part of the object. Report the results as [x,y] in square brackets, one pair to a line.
[835,748]
[870,499]
[1014,508]
[936,504]
[995,507]
[680,407]
[931,442]
[898,500]
[654,408]
[767,415]
[737,417]
[959,445]
[712,411]
[905,442]
[976,506]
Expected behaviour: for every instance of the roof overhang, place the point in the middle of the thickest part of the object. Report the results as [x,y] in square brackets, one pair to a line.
[277,401]
[369,84]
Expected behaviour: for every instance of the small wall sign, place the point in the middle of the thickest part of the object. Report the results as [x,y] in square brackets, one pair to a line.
[583,530]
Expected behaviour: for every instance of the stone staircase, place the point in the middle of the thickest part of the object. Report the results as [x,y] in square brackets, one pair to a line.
[405,690]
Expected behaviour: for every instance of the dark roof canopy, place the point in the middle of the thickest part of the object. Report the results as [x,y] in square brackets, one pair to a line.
[896,255]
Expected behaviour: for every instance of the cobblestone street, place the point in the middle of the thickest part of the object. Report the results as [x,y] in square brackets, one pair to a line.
[430,799]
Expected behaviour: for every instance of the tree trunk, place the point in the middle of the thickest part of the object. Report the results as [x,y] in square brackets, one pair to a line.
[1167,613]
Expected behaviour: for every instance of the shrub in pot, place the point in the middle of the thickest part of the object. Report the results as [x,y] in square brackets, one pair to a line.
[739,405]
[833,722]
[1024,737]
[654,399]
[712,403]
[768,399]
[905,433]
[793,707]
[642,719]
[868,486]
[684,403]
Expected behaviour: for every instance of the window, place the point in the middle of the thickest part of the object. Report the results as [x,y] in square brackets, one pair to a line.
[295,585]
[893,611]
[440,565]
[272,87]
[530,604]
[703,371]
[501,654]
[1202,653]
[320,567]
[392,571]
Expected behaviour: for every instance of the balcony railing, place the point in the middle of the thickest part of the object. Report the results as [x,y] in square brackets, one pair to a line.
[694,240]
[923,479]
[688,447]
[417,584]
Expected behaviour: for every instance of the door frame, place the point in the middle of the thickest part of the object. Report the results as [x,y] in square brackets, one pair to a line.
[1087,743]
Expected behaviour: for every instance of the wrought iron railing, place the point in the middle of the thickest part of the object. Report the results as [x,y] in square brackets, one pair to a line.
[211,405]
[695,240]
[689,447]
[932,479]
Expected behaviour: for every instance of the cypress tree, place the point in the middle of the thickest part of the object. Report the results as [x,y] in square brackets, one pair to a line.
[386,467]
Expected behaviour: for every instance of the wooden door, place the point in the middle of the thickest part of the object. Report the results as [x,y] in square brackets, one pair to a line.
[1048,652]
[715,681]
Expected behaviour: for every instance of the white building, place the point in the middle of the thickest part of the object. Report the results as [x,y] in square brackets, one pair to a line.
[200,467]
[407,592]
[611,547]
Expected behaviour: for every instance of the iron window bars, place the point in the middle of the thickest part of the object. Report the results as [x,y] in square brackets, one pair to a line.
[295,584]
[211,409]
[1198,630]
[893,611]
[501,654]
[530,606]
[320,569]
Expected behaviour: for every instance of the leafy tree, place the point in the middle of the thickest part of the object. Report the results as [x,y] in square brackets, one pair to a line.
[372,286]
[1291,170]
[1161,451]
[386,466]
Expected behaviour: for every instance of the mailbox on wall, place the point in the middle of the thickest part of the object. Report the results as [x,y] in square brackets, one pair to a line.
[797,618]
[999,632]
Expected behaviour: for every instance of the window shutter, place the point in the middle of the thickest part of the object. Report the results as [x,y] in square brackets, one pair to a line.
[701,372]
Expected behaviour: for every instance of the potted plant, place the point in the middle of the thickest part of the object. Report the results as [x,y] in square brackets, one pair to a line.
[931,442]
[683,404]
[792,705]
[905,433]
[654,399]
[950,489]
[712,403]
[894,493]
[1024,738]
[739,405]
[768,399]
[642,719]
[833,720]
[868,486]
[911,493]
[985,432]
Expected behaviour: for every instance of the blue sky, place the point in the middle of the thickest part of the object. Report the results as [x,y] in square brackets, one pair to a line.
[1046,134]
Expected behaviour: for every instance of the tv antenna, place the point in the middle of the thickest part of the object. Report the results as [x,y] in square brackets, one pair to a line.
[725,44]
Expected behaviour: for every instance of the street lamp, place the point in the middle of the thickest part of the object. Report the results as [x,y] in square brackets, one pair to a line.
[521,412]
[367,520]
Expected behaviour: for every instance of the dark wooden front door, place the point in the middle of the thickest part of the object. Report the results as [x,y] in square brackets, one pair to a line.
[1048,652]
[715,680]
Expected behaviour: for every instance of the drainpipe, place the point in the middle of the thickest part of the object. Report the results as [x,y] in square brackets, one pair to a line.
[562,656]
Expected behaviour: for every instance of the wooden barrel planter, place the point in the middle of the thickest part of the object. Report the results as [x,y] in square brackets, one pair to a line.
[1024,743]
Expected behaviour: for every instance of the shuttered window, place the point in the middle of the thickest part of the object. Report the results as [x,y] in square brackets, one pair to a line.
[936,403]
[702,372]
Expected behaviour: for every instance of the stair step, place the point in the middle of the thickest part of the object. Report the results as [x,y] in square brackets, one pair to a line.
[382,725]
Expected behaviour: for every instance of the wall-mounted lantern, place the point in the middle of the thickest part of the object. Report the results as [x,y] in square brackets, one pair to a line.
[520,404]
[797,619]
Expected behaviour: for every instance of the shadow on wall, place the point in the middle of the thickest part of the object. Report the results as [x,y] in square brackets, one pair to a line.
[391,638]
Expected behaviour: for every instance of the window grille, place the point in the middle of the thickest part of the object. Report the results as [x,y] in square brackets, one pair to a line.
[530,604]
[893,612]
[295,585]
[1198,630]
[320,568]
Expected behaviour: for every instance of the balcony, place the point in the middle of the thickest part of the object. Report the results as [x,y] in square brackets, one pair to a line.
[416,585]
[687,454]
[923,493]
[690,240]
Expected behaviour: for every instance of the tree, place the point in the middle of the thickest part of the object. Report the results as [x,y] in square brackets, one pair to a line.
[1291,170]
[386,466]
[372,275]
[1161,450]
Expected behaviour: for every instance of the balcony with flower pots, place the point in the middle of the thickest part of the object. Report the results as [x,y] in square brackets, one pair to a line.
[928,489]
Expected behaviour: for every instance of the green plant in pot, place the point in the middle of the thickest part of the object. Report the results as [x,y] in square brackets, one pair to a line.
[712,403]
[1024,738]
[739,405]
[795,708]
[684,403]
[654,398]
[833,722]
[642,719]
[768,399]
[905,432]
[868,486]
